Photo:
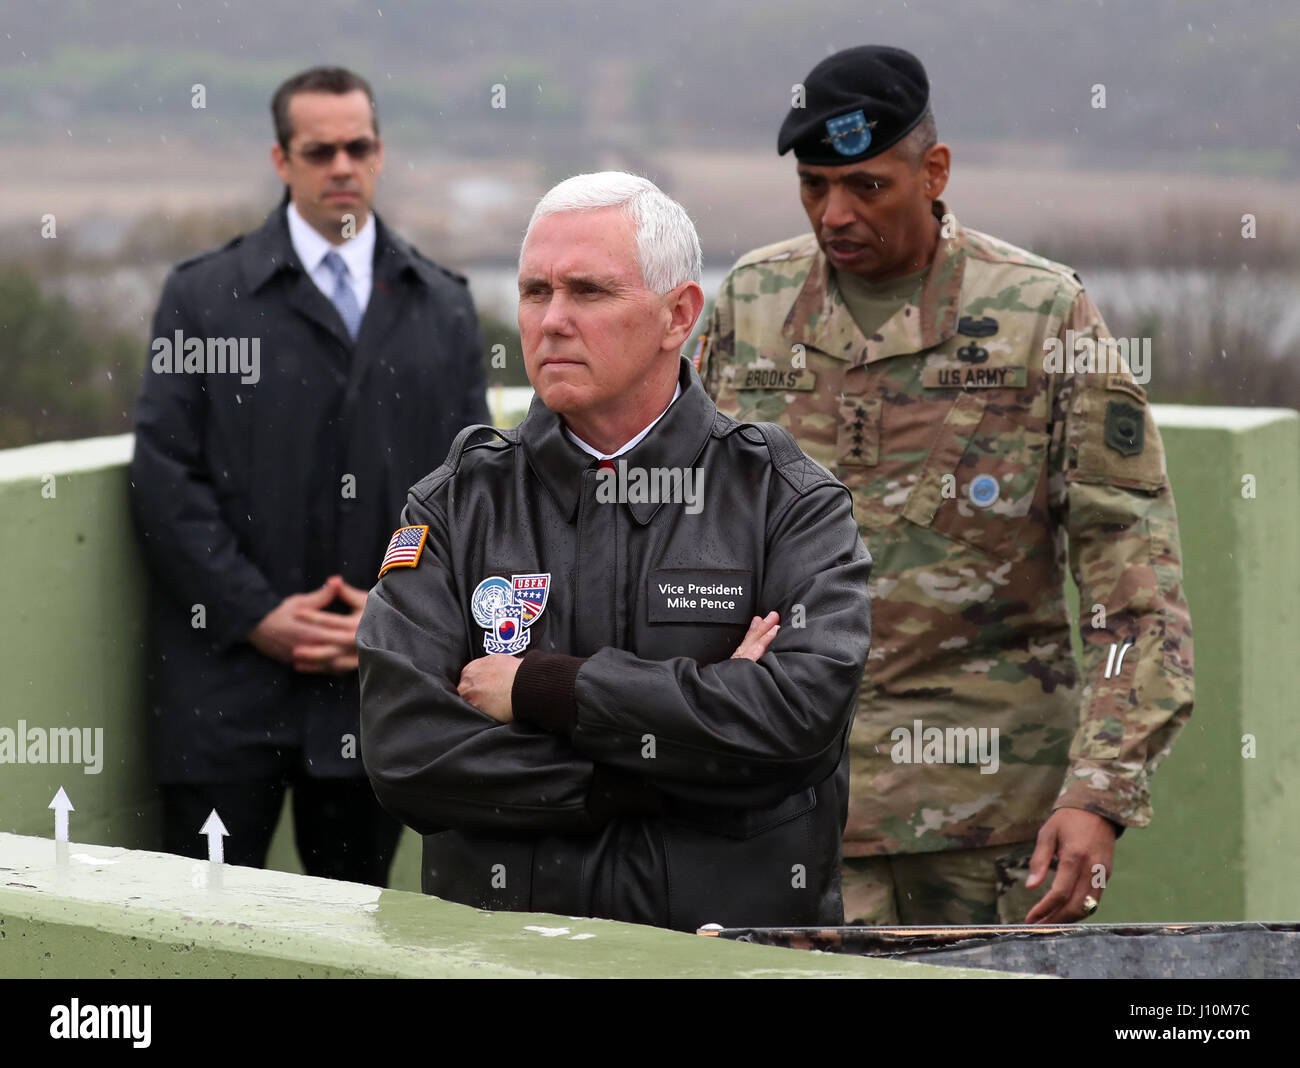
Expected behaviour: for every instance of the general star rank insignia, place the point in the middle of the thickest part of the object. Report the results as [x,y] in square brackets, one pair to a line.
[699,351]
[506,609]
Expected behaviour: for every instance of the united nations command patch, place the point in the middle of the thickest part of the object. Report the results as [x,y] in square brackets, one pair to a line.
[983,490]
[1125,428]
[404,549]
[505,610]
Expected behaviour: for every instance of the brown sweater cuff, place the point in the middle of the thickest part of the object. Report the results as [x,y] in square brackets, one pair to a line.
[545,691]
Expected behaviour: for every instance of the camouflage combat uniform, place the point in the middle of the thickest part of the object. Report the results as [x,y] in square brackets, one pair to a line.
[978,475]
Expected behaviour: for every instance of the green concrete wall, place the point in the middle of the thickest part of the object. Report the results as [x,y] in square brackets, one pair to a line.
[78,911]
[283,854]
[1223,844]
[71,653]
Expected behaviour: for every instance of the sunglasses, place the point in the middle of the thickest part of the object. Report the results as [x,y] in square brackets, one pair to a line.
[321,154]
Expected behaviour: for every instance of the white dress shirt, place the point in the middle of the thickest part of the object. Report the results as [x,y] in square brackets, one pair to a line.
[631,444]
[358,253]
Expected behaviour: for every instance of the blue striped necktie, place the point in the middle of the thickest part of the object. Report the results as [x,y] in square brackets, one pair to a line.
[344,299]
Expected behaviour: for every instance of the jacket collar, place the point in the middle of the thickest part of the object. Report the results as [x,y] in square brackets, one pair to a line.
[267,251]
[675,442]
[820,319]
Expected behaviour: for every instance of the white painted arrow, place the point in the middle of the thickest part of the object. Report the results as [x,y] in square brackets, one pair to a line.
[62,806]
[215,830]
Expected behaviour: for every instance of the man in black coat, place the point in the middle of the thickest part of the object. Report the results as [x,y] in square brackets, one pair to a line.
[300,379]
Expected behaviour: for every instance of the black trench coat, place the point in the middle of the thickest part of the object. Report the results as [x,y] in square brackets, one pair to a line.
[244,492]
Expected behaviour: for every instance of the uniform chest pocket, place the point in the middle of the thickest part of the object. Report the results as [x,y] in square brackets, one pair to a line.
[982,481]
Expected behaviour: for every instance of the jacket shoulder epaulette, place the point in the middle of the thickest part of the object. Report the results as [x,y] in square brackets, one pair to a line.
[434,267]
[795,248]
[453,275]
[794,465]
[990,249]
[207,254]
[464,443]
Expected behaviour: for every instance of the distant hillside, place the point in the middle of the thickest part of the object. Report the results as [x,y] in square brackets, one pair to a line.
[1185,79]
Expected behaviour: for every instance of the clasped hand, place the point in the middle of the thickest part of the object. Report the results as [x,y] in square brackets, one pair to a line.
[300,632]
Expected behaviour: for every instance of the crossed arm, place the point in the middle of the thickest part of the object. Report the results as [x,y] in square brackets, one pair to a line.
[486,683]
[444,748]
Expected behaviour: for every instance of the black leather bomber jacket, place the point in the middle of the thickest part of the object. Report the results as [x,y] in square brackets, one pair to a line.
[647,776]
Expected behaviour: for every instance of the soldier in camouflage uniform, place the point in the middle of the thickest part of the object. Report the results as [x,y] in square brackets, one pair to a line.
[955,383]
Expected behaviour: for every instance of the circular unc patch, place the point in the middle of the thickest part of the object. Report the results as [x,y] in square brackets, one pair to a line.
[489,595]
[984,490]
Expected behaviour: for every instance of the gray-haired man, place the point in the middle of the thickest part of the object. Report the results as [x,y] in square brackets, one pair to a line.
[689,594]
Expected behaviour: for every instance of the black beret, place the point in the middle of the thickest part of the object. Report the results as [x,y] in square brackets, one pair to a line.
[857,104]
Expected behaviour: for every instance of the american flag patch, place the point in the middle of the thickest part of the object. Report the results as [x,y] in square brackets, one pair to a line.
[699,351]
[404,550]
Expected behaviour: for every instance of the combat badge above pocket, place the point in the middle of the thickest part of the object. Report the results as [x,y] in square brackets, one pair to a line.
[1120,445]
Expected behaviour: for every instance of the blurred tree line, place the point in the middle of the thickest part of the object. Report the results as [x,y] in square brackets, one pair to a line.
[1195,77]
[68,372]
[1223,331]
[63,376]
